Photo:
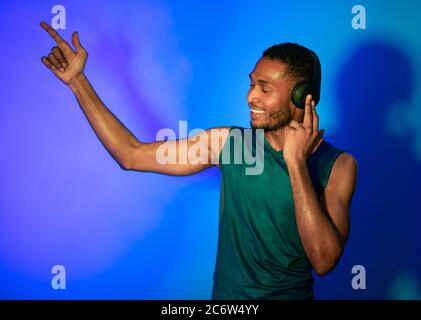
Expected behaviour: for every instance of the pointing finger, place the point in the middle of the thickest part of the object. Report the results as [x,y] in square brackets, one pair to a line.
[63,45]
[53,33]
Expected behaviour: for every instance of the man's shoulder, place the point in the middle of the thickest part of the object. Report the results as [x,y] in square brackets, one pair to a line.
[344,165]
[342,156]
[346,161]
[331,159]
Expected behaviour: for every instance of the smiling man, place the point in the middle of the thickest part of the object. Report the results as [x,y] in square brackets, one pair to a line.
[276,226]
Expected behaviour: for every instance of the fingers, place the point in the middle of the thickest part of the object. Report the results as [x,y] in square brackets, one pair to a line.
[53,61]
[56,60]
[317,146]
[295,124]
[49,65]
[64,46]
[53,33]
[308,113]
[319,142]
[59,56]
[315,117]
[311,118]
[76,42]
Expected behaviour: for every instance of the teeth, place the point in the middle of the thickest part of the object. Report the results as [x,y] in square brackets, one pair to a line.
[257,111]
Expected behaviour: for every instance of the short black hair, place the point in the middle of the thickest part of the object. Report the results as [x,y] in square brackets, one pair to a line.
[298,59]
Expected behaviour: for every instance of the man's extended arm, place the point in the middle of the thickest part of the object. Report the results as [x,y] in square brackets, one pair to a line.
[68,65]
[131,154]
[114,136]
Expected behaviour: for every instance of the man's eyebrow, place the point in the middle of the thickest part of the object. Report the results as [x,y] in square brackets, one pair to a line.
[261,81]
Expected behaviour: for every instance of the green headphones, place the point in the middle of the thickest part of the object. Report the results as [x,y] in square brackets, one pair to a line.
[304,88]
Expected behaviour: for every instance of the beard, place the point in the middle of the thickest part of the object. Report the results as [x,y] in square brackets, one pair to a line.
[274,120]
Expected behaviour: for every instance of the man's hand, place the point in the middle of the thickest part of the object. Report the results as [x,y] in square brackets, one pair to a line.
[63,61]
[303,139]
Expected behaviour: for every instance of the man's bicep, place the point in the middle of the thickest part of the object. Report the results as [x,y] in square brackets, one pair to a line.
[217,138]
[337,196]
[182,156]
[206,146]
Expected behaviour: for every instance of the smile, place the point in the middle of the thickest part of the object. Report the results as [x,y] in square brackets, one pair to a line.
[256,111]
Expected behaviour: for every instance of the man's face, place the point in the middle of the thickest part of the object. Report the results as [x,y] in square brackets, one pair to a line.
[269,96]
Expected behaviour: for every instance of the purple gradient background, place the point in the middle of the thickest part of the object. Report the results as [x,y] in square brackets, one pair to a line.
[131,235]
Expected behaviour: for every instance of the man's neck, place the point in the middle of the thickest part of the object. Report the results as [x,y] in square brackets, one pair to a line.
[276,138]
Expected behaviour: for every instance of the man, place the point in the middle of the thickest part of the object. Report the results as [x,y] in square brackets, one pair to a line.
[276,226]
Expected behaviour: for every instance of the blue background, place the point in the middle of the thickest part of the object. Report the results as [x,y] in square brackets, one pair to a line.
[131,235]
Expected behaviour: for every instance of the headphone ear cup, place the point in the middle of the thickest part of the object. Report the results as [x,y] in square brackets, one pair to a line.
[299,94]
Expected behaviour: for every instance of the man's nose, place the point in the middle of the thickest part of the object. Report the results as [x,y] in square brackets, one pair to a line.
[252,97]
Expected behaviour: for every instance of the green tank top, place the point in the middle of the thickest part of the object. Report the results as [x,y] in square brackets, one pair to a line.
[260,254]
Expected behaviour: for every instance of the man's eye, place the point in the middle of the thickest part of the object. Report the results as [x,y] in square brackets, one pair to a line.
[264,91]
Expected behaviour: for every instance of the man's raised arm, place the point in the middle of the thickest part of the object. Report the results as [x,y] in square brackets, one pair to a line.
[180,157]
[68,65]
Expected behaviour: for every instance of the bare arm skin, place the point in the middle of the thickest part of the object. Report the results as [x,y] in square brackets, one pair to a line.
[143,156]
[114,136]
[131,154]
[323,225]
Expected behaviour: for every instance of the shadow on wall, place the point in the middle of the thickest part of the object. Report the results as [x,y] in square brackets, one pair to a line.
[375,79]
